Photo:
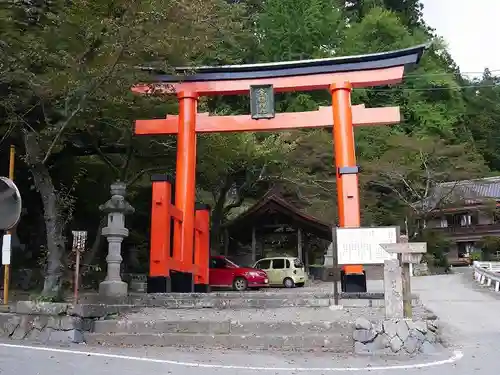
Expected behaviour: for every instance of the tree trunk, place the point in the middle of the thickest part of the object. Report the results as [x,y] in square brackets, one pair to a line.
[51,213]
[90,255]
[218,217]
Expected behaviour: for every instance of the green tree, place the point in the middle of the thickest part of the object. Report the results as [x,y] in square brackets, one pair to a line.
[411,167]
[489,246]
[82,54]
[235,167]
[298,29]
[483,116]
[410,12]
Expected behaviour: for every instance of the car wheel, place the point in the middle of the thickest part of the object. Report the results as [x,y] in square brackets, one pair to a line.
[240,284]
[288,283]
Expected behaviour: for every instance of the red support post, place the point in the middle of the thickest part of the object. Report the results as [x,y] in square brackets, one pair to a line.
[185,177]
[345,156]
[160,230]
[202,248]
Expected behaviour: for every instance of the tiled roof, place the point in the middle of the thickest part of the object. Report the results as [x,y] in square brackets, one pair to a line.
[466,192]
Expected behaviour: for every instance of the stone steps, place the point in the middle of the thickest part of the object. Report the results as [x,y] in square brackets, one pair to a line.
[238,303]
[217,327]
[148,299]
[260,303]
[337,343]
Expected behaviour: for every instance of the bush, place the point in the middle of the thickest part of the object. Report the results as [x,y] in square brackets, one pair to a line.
[437,247]
[489,245]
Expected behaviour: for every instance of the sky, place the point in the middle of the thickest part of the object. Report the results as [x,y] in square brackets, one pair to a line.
[471,29]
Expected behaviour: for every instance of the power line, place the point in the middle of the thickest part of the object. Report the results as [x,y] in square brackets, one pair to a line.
[449,73]
[458,87]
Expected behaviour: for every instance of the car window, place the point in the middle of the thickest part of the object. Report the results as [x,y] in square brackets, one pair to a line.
[298,263]
[230,264]
[217,263]
[278,264]
[287,263]
[263,264]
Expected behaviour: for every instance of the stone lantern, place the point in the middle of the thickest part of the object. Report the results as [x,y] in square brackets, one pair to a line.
[116,208]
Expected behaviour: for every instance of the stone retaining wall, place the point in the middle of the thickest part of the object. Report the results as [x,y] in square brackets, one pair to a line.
[396,337]
[53,322]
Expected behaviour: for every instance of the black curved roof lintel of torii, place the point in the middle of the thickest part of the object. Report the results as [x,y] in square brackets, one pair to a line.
[408,57]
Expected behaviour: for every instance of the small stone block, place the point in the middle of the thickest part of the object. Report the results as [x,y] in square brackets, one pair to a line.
[362,323]
[41,308]
[420,326]
[396,344]
[411,345]
[390,328]
[364,335]
[428,348]
[66,336]
[113,289]
[402,330]
[417,334]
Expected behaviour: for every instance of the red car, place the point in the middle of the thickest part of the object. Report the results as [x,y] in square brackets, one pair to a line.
[224,273]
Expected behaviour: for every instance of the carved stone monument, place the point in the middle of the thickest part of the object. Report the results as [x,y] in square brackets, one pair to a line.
[393,289]
[116,208]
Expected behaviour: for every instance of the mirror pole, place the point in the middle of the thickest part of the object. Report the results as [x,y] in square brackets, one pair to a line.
[6,270]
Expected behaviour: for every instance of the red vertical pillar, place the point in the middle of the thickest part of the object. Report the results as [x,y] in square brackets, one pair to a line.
[345,156]
[202,247]
[160,229]
[185,176]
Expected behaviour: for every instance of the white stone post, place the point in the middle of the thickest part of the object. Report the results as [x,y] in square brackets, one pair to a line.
[393,286]
[116,208]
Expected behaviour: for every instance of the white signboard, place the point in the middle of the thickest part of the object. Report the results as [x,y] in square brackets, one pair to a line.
[362,245]
[6,245]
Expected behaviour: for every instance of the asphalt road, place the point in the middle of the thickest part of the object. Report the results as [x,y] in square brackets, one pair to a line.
[473,328]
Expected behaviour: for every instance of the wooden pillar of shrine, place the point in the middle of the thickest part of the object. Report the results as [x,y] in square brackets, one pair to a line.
[345,156]
[186,176]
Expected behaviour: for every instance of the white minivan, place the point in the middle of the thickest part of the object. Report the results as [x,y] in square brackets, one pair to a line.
[283,271]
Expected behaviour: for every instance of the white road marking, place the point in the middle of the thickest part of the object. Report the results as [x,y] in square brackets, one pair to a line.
[457,355]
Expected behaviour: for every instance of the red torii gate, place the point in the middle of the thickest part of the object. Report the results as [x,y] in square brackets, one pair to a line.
[261,81]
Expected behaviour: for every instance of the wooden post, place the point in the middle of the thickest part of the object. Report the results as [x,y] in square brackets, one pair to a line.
[202,252]
[254,246]
[262,245]
[77,275]
[306,253]
[406,283]
[405,287]
[160,228]
[226,242]
[299,244]
[336,272]
[79,243]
